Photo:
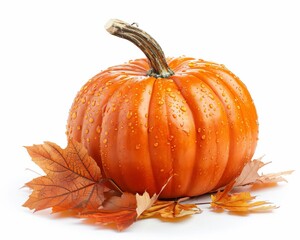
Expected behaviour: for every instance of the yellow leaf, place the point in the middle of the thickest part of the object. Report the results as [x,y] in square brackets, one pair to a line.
[170,210]
[238,202]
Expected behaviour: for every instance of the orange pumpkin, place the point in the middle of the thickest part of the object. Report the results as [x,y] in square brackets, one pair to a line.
[152,118]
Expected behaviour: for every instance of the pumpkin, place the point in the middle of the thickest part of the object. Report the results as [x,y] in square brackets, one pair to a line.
[157,117]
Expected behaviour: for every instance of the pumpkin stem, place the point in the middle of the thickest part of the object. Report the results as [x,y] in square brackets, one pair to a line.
[152,50]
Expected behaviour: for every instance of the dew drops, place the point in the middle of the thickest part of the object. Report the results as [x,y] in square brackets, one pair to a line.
[228,106]
[211,96]
[183,108]
[203,137]
[155,144]
[160,102]
[210,105]
[91,120]
[78,127]
[105,141]
[199,130]
[172,95]
[129,115]
[137,146]
[174,115]
[74,115]
[169,89]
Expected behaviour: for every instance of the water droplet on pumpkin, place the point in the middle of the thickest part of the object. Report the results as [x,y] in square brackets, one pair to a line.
[160,102]
[146,115]
[86,131]
[137,146]
[129,115]
[78,127]
[170,138]
[98,129]
[88,140]
[172,95]
[74,115]
[228,106]
[105,141]
[155,144]
[211,96]
[199,130]
[174,115]
[210,105]
[83,100]
[169,89]
[91,120]
[203,137]
[183,108]
[238,107]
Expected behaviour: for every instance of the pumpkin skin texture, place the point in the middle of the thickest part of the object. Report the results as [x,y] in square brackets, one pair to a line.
[200,125]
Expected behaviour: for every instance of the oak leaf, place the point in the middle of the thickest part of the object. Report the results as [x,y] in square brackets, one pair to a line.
[72,180]
[238,202]
[250,175]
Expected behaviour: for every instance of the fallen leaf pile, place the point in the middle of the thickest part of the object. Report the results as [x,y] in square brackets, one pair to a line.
[73,183]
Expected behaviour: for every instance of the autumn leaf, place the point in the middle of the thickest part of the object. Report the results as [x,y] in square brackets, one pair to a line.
[72,180]
[144,201]
[73,183]
[250,175]
[117,211]
[170,210]
[238,202]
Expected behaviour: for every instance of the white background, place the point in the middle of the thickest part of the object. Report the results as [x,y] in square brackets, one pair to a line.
[49,49]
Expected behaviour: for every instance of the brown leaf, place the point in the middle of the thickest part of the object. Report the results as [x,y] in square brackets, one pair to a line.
[72,178]
[170,210]
[118,211]
[250,175]
[237,202]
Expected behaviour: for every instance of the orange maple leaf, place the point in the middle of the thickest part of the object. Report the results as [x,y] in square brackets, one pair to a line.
[117,211]
[238,202]
[72,181]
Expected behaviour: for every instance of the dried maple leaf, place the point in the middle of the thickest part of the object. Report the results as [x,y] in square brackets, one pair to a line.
[250,175]
[118,211]
[144,202]
[72,181]
[170,210]
[238,202]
